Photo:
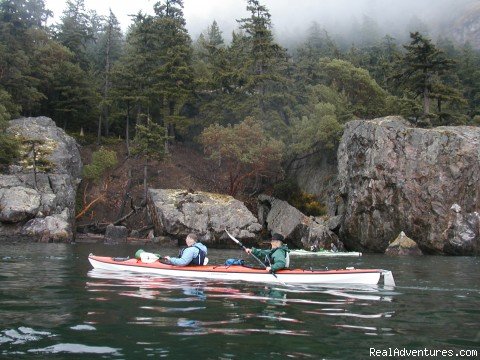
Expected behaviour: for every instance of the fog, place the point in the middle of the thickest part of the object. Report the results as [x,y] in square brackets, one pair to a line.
[343,19]
[340,18]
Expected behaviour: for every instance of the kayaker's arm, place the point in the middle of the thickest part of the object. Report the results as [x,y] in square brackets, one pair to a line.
[187,257]
[259,253]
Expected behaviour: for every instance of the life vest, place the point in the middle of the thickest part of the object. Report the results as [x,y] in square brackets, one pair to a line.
[197,260]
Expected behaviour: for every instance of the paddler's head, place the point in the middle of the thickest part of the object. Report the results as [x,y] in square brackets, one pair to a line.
[191,239]
[276,240]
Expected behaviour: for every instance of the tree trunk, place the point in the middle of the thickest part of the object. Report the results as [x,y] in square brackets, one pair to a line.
[167,150]
[127,131]
[145,171]
[426,102]
[99,132]
[106,87]
[126,196]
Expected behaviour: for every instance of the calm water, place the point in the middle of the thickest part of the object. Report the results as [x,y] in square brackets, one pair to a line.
[53,305]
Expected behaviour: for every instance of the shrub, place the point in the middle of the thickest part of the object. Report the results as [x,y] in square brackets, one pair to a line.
[288,190]
[9,150]
[102,160]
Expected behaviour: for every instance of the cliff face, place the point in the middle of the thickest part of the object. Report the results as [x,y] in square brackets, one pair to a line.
[425,182]
[37,195]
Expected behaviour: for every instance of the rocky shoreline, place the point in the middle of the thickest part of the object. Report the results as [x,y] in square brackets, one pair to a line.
[391,179]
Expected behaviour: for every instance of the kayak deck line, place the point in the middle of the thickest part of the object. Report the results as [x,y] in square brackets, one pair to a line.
[324,253]
[239,272]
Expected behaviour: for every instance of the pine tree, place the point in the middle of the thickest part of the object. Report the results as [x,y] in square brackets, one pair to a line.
[21,29]
[423,66]
[173,85]
[74,31]
[108,49]
[469,74]
[266,69]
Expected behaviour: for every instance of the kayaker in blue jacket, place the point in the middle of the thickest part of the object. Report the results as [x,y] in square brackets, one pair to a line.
[277,257]
[194,254]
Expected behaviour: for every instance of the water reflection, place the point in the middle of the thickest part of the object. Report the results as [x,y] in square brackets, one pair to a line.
[185,306]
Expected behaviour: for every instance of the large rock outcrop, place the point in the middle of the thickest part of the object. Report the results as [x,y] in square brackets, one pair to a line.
[37,195]
[302,231]
[426,182]
[176,213]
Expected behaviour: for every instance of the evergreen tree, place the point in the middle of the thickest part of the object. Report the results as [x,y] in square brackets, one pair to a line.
[469,74]
[318,45]
[173,84]
[74,31]
[108,50]
[9,146]
[209,58]
[422,67]
[266,68]
[366,98]
[21,27]
[146,143]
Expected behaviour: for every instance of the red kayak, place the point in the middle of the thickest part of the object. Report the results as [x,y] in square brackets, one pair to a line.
[245,273]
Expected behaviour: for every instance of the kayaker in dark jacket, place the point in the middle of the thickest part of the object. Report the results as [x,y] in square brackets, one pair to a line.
[277,257]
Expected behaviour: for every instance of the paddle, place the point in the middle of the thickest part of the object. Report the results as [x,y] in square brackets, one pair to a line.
[256,258]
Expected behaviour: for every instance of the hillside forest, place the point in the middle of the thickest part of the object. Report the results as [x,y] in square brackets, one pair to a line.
[249,104]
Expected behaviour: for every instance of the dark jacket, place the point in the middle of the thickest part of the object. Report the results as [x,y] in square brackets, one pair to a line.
[278,257]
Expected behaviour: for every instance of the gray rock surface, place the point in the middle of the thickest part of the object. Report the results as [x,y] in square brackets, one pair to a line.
[177,213]
[305,232]
[394,177]
[41,204]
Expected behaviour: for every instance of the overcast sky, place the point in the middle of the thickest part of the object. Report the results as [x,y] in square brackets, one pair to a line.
[288,17]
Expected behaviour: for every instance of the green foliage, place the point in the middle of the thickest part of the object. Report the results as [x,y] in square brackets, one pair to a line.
[308,204]
[9,150]
[289,191]
[34,154]
[150,140]
[83,73]
[244,150]
[475,121]
[9,145]
[318,131]
[7,107]
[426,72]
[102,161]
[365,96]
[73,31]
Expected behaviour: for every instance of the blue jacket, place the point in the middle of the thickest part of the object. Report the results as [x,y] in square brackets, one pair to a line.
[188,255]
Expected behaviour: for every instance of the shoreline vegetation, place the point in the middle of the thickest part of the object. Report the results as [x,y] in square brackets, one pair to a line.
[154,108]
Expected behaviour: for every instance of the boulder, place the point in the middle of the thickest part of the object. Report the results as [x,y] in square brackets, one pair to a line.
[18,203]
[40,203]
[395,177]
[302,231]
[403,245]
[177,213]
[115,234]
[56,228]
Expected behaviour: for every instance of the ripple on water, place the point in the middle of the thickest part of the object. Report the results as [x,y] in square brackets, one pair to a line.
[76,349]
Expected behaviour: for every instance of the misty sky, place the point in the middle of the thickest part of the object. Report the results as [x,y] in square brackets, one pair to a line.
[291,18]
